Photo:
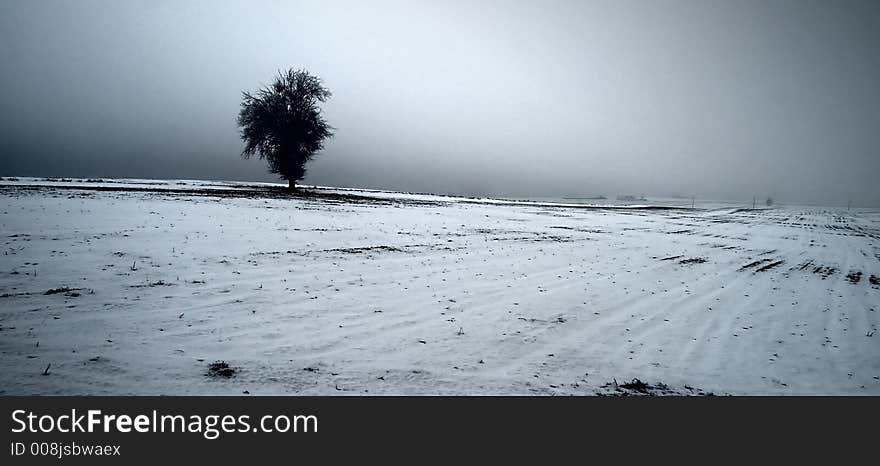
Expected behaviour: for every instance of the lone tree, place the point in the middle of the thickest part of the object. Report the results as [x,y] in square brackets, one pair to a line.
[282,123]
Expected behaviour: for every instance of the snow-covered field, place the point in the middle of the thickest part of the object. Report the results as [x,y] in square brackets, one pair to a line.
[136,287]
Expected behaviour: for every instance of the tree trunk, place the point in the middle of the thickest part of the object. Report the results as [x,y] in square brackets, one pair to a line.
[291,185]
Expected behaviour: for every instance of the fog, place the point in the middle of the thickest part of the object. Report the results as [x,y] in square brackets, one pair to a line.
[720,100]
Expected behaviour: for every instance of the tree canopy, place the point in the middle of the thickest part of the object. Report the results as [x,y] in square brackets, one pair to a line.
[283,124]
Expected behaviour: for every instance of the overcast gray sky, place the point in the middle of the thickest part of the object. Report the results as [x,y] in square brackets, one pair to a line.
[720,99]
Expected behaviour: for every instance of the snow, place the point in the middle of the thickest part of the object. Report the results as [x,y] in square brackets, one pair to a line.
[373,292]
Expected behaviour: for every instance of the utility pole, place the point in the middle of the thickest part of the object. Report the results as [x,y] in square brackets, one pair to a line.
[692,201]
[754,201]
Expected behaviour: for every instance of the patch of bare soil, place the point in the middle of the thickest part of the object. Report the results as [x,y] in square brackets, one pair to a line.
[636,387]
[70,292]
[220,369]
[770,266]
[152,284]
[365,249]
[694,260]
[824,271]
[753,264]
[854,276]
[63,289]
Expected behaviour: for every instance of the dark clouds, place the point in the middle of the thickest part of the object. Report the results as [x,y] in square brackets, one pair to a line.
[718,99]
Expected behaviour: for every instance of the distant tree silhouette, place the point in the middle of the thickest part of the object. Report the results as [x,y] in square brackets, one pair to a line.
[282,123]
